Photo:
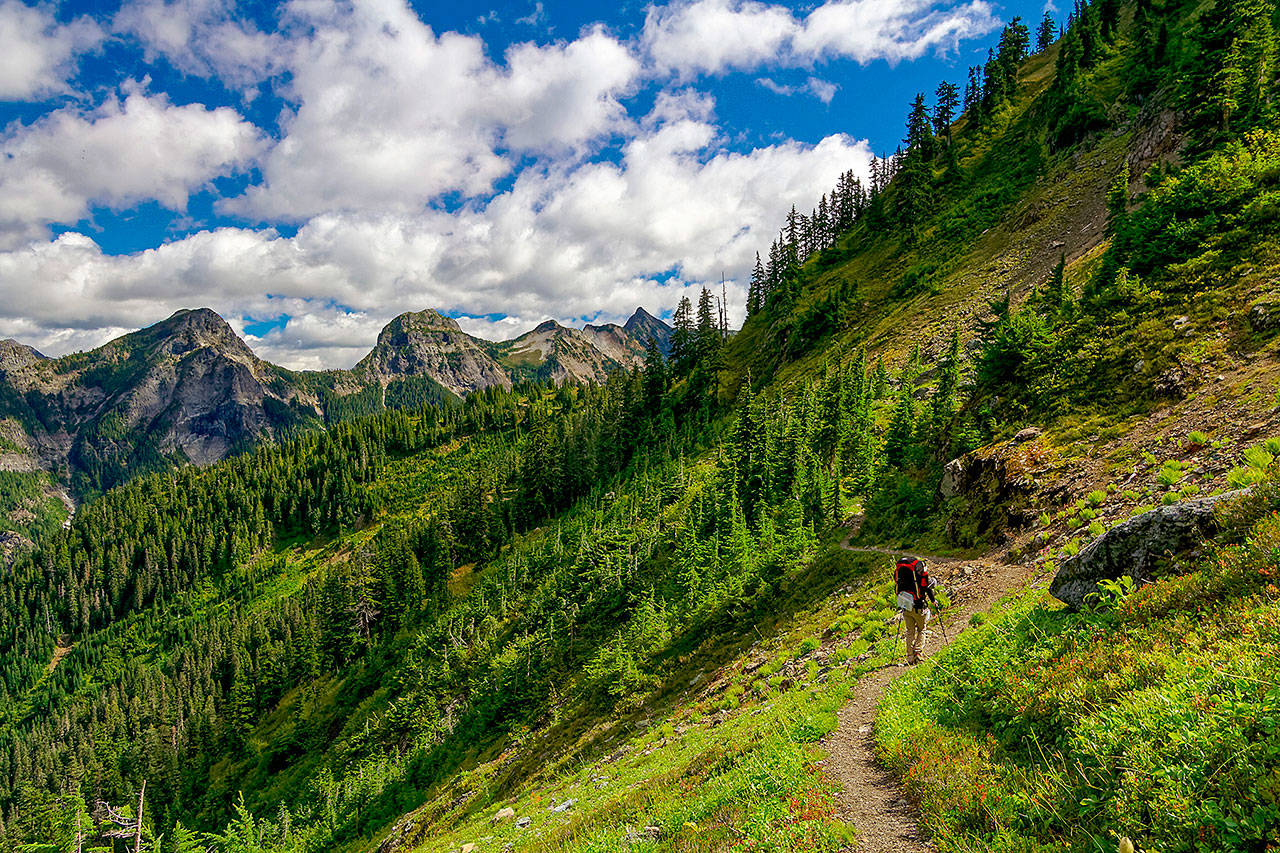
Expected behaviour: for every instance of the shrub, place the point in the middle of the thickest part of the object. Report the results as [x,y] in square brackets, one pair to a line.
[1097,529]
[1096,498]
[1243,477]
[1196,438]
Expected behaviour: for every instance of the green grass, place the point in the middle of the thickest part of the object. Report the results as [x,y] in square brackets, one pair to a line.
[1158,720]
[726,761]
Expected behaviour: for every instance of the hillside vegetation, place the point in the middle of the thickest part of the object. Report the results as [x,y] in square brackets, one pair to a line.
[623,611]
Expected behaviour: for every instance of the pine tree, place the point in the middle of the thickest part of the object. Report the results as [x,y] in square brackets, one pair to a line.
[898,439]
[756,290]
[919,138]
[1057,296]
[972,91]
[1045,33]
[707,337]
[944,109]
[683,341]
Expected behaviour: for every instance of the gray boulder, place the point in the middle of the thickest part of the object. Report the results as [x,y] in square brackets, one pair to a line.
[1131,547]
[1264,315]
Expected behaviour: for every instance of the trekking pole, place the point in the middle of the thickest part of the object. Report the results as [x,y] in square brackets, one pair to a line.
[897,633]
[944,626]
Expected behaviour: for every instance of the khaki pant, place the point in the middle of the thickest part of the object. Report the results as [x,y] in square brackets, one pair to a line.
[915,621]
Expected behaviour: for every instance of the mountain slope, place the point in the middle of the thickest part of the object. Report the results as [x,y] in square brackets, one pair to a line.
[625,613]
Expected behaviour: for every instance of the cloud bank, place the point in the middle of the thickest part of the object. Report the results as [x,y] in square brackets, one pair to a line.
[409,168]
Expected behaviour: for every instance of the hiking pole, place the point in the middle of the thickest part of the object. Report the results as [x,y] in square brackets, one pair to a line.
[944,626]
[897,633]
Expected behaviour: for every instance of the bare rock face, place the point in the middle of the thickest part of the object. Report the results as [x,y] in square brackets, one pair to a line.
[643,326]
[992,491]
[560,354]
[1264,314]
[184,389]
[14,355]
[1131,547]
[427,343]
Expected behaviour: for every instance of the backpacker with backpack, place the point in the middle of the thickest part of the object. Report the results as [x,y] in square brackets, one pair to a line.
[913,584]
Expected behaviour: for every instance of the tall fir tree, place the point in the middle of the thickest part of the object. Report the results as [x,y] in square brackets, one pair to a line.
[1045,33]
[946,99]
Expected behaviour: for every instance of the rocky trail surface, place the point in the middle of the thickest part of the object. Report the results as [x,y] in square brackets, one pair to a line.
[870,798]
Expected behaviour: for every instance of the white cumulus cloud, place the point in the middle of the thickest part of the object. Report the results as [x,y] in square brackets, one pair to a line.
[37,54]
[204,38]
[117,155]
[692,37]
[389,116]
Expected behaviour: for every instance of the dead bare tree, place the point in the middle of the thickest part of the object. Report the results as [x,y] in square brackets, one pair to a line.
[124,826]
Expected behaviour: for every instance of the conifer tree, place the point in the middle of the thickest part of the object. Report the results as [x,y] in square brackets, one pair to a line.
[972,91]
[944,109]
[1045,33]
[683,342]
[1057,296]
[755,292]
[902,427]
[707,337]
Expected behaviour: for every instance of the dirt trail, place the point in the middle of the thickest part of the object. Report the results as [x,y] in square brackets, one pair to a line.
[870,798]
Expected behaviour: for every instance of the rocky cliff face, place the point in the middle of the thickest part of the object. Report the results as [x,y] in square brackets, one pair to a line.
[427,343]
[556,352]
[643,326]
[185,389]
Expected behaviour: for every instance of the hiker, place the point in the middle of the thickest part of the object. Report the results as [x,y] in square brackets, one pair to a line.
[914,584]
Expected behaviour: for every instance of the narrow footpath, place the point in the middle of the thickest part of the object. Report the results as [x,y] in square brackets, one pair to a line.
[870,798]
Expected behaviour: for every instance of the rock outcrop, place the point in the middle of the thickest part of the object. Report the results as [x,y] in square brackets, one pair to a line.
[1132,547]
[427,343]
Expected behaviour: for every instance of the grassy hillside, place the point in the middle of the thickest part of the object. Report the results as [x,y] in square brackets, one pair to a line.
[624,612]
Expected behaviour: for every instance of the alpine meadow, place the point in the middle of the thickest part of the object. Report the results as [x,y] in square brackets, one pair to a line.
[632,586]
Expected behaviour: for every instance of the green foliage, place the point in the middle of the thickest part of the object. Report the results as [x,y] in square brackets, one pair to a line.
[1154,717]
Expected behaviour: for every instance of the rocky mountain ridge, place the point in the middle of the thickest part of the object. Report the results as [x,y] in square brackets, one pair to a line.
[189,389]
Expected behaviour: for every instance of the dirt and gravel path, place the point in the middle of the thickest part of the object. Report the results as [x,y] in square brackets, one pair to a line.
[870,798]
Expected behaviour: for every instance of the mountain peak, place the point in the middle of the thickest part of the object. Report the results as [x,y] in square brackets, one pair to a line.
[547,326]
[427,320]
[14,354]
[641,317]
[192,328]
[643,327]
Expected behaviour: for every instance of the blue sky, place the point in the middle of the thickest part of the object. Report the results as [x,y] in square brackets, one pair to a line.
[312,169]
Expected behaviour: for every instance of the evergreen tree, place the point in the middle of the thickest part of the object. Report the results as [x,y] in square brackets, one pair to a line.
[683,341]
[1045,33]
[944,109]
[1057,296]
[919,139]
[756,290]
[972,91]
[707,338]
[1232,80]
